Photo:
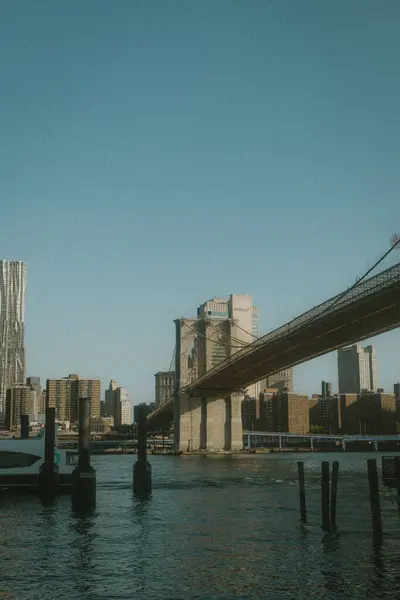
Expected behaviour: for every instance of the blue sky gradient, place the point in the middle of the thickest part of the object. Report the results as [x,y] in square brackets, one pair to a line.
[155,154]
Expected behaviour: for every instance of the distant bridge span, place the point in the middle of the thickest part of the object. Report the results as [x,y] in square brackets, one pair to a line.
[368,309]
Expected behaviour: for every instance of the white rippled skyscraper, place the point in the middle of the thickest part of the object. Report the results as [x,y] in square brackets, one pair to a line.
[12,323]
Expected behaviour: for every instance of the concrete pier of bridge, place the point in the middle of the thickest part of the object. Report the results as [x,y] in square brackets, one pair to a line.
[212,422]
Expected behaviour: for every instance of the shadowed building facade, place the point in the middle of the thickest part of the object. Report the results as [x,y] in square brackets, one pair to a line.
[19,401]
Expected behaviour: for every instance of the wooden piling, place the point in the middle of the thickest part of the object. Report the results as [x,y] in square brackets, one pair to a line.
[302,491]
[24,427]
[397,473]
[374,500]
[48,473]
[84,475]
[141,468]
[325,495]
[334,486]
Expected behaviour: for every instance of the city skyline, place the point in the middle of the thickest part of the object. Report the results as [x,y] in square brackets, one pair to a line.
[254,324]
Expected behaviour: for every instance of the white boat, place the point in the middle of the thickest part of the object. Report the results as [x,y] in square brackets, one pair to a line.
[20,462]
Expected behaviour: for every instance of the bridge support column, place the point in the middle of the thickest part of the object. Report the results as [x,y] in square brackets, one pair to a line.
[236,422]
[228,423]
[216,424]
[212,424]
[203,424]
[224,423]
[190,419]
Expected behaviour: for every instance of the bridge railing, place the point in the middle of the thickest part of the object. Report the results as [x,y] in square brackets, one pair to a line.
[327,437]
[329,307]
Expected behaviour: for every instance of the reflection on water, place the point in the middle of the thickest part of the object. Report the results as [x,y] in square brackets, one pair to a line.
[225,527]
[82,539]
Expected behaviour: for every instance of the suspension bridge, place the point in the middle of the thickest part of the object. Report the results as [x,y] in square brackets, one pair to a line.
[206,405]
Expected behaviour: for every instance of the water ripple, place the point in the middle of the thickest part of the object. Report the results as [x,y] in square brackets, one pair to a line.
[212,529]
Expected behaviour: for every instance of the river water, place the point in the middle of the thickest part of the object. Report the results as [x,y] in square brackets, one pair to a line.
[215,528]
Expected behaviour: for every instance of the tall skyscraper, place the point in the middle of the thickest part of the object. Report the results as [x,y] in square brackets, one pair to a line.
[357,369]
[126,412]
[109,399]
[12,308]
[238,307]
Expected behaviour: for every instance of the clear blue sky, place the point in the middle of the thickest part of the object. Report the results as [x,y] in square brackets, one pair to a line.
[155,154]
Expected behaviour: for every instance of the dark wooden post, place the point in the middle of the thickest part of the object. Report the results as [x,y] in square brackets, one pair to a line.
[141,468]
[48,474]
[84,475]
[397,474]
[374,500]
[302,491]
[334,486]
[24,427]
[325,494]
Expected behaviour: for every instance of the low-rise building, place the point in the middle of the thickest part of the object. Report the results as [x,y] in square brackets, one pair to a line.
[101,424]
[285,411]
[377,413]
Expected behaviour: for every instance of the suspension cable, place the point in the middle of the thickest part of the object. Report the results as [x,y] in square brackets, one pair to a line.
[358,281]
[235,339]
[210,340]
[248,332]
[172,359]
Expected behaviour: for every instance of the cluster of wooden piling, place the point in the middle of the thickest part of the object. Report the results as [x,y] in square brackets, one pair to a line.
[84,476]
[83,479]
[329,488]
[328,494]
